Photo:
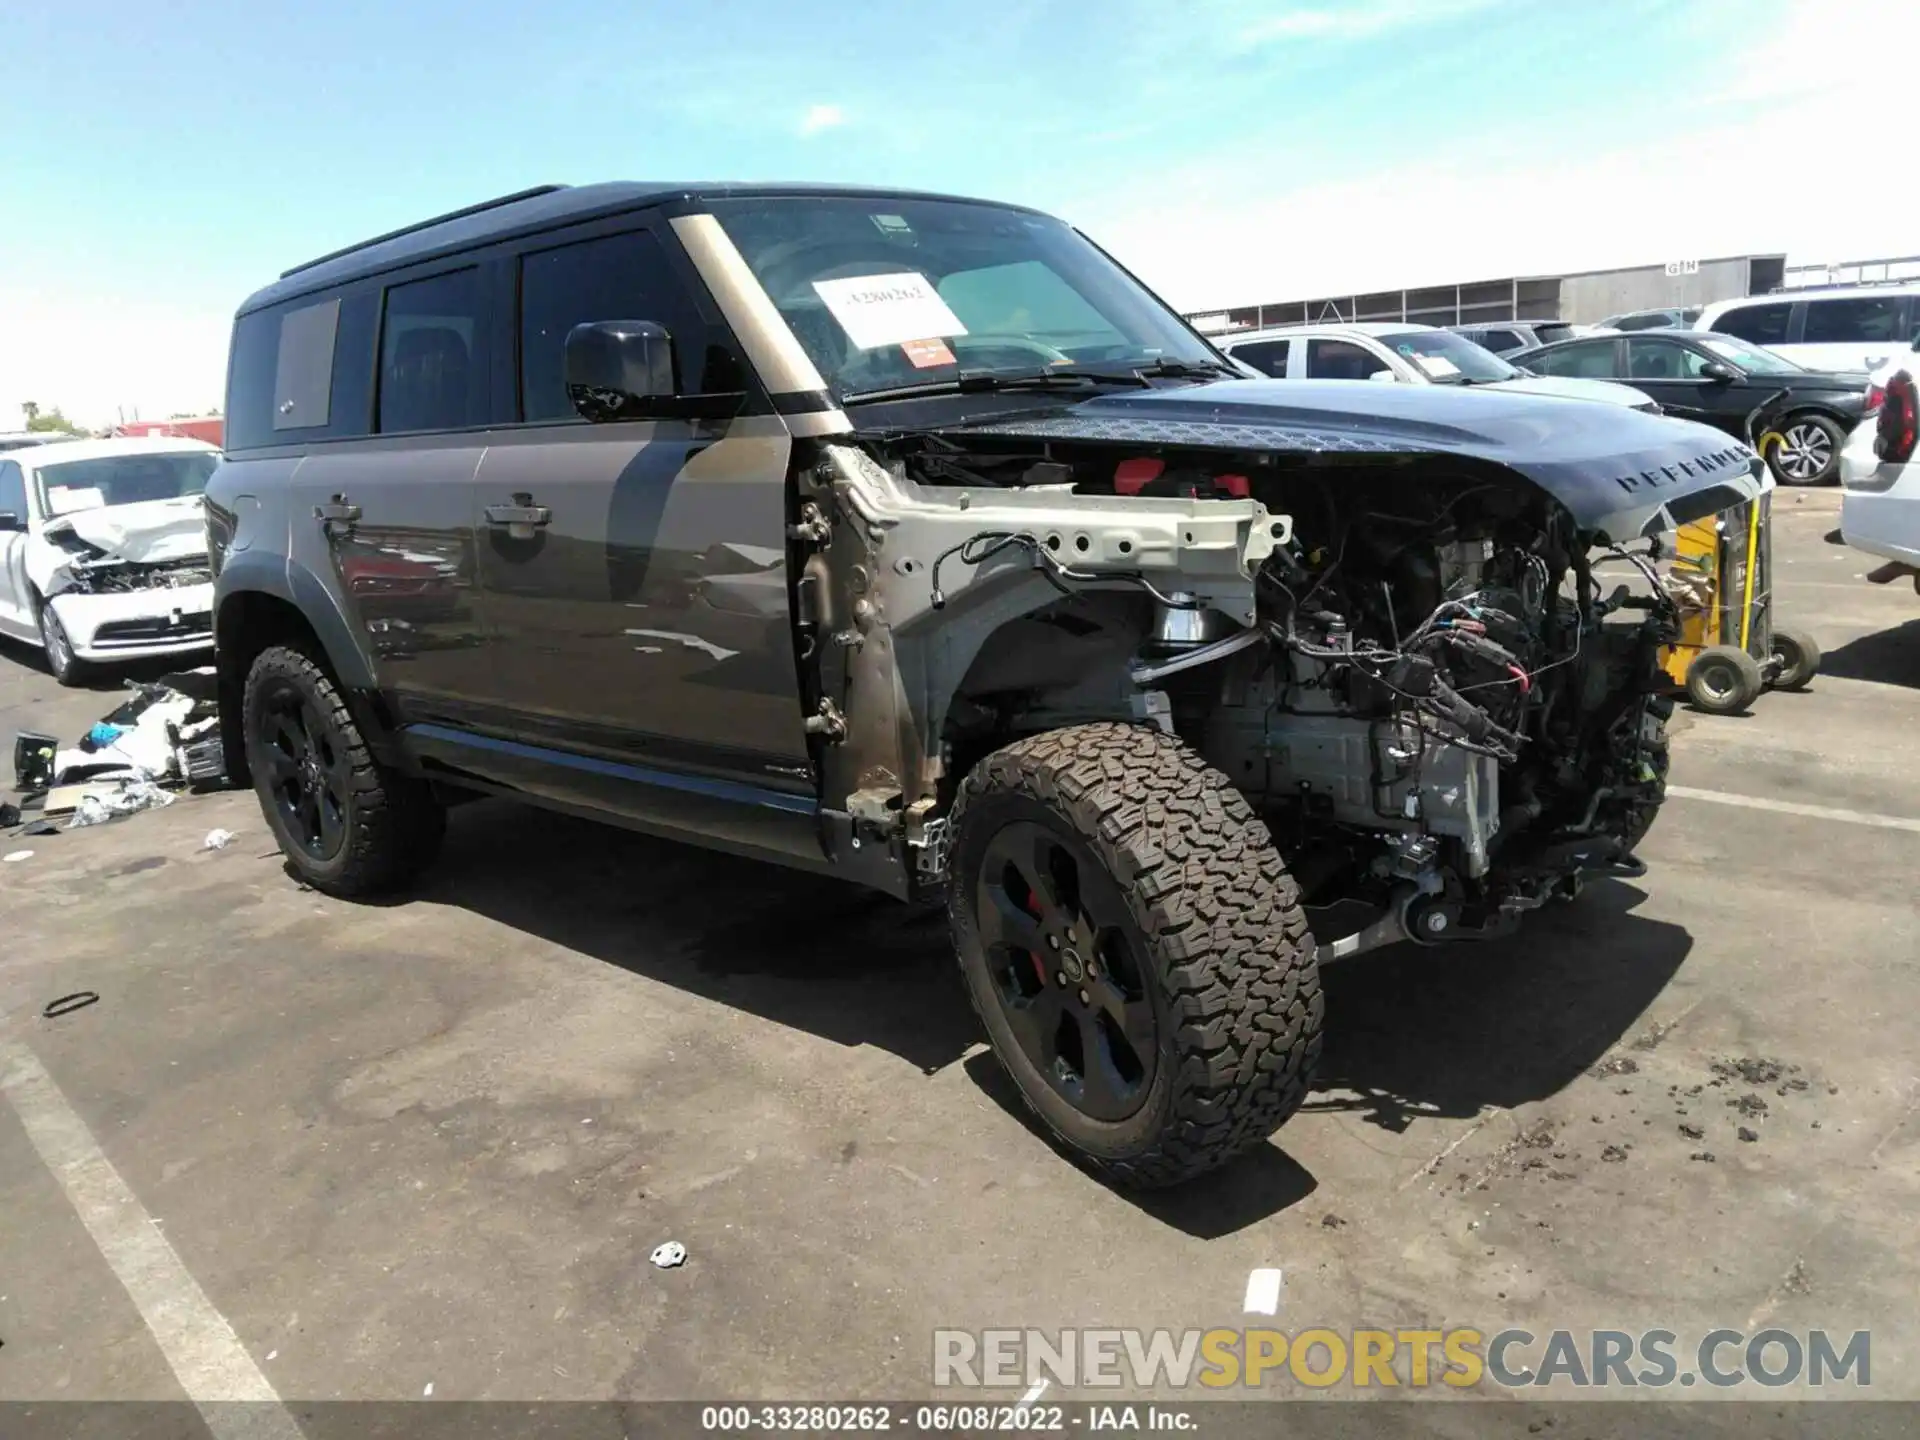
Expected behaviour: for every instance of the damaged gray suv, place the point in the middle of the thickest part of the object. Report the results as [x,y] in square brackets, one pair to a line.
[911,540]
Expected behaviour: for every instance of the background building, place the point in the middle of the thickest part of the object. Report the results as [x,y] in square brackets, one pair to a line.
[1584,298]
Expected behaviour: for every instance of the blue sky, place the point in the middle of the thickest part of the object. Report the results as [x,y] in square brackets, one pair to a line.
[165,159]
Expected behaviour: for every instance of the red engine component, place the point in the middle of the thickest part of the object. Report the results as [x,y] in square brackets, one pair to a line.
[1147,475]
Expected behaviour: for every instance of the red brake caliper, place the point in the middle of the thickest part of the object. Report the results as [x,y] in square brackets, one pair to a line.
[1032,907]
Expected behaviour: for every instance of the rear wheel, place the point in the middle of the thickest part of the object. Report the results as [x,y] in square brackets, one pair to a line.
[347,824]
[58,647]
[1724,680]
[1796,656]
[1135,948]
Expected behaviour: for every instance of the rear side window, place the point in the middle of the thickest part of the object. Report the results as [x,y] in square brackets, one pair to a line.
[303,374]
[1267,356]
[1341,360]
[13,491]
[431,375]
[1497,340]
[1762,324]
[1863,320]
[1591,360]
[1547,334]
[615,277]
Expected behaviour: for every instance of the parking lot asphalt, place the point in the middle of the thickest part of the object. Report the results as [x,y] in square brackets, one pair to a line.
[432,1143]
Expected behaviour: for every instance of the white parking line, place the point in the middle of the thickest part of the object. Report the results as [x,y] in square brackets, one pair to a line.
[1263,1292]
[1793,807]
[199,1345]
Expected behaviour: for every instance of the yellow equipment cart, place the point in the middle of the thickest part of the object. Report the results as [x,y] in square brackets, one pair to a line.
[1729,648]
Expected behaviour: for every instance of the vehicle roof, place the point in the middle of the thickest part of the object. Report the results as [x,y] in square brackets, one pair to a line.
[1371,328]
[1504,324]
[106,449]
[34,437]
[538,209]
[1818,292]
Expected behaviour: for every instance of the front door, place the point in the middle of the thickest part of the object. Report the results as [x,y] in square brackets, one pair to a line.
[16,599]
[635,574]
[1673,375]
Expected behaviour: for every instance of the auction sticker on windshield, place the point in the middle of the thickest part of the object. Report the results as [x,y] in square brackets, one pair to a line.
[878,310]
[1437,366]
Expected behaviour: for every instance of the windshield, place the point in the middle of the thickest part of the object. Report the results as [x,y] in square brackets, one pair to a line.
[1751,358]
[897,292]
[124,480]
[1448,359]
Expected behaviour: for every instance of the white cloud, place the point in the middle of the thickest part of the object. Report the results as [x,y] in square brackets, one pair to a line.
[1355,20]
[821,117]
[1773,166]
[94,356]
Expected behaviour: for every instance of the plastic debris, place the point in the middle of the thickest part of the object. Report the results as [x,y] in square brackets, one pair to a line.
[14,857]
[33,760]
[131,797]
[669,1255]
[217,840]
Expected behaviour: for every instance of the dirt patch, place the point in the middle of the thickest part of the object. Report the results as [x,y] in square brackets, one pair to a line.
[1615,1065]
[1753,1071]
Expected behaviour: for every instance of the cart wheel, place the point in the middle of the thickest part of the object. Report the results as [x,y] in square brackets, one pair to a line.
[1724,680]
[1796,655]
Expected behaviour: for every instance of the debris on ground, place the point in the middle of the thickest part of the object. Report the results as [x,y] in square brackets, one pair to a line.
[217,840]
[67,1004]
[160,738]
[1706,1155]
[9,815]
[1331,1222]
[669,1255]
[1753,1072]
[1749,1104]
[1617,1065]
[1613,1153]
[14,857]
[1748,1135]
[1693,1132]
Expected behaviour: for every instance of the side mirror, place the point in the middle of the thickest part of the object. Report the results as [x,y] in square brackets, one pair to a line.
[614,368]
[1916,341]
[1720,374]
[1384,375]
[11,520]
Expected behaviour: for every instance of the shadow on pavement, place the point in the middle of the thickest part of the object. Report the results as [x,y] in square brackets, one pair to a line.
[1889,657]
[807,951]
[1416,1032]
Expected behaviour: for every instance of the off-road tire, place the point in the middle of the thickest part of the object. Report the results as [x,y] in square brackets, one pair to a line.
[1657,751]
[56,645]
[1214,920]
[393,823]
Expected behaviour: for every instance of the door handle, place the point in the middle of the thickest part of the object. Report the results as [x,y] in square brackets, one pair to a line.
[521,517]
[336,517]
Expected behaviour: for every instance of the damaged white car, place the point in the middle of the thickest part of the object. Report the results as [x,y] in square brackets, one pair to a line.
[103,550]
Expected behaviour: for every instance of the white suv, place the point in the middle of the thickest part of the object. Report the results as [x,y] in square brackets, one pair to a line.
[103,550]
[1849,327]
[1414,354]
[1880,501]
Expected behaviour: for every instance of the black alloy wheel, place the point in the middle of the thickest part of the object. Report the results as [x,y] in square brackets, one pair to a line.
[305,771]
[1072,991]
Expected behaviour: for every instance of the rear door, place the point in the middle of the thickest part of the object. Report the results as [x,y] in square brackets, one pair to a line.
[643,621]
[383,500]
[1581,359]
[1851,332]
[16,603]
[1269,357]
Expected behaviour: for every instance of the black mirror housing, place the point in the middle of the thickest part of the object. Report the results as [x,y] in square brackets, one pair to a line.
[619,369]
[1720,374]
[9,520]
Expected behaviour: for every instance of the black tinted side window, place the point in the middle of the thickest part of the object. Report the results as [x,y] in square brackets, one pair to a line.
[1865,320]
[251,362]
[614,277]
[431,371]
[13,491]
[1762,324]
[1269,357]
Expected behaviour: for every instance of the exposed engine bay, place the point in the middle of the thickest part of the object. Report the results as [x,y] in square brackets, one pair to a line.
[1405,662]
[109,575]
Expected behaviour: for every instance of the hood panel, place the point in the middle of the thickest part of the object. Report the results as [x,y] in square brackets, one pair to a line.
[1617,471]
[1568,387]
[148,533]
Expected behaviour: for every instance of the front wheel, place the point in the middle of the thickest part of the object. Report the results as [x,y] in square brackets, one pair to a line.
[1135,947]
[1808,451]
[61,664]
[347,824]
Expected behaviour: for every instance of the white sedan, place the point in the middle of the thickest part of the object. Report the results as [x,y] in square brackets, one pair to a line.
[103,550]
[1880,495]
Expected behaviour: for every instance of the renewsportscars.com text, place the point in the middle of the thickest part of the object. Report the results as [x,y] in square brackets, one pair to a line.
[1414,1359]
